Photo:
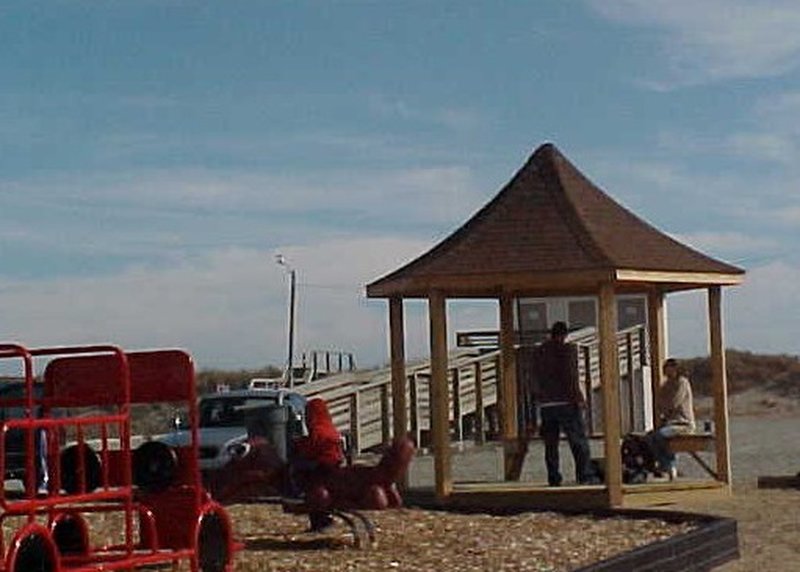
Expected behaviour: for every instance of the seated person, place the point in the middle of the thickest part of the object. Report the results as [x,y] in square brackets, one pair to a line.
[316,454]
[675,415]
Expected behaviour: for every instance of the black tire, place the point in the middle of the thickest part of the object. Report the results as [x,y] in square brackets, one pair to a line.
[34,555]
[69,535]
[70,460]
[154,466]
[213,543]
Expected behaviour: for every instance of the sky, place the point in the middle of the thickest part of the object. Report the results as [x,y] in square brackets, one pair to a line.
[156,156]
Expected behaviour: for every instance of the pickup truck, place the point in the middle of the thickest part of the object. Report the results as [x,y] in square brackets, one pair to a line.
[222,422]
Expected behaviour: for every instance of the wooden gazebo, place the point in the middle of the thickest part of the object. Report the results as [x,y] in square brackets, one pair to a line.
[551,232]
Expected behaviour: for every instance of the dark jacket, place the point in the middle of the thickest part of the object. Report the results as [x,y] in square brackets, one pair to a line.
[556,373]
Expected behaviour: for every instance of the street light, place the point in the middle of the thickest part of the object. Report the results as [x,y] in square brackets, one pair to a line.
[281,260]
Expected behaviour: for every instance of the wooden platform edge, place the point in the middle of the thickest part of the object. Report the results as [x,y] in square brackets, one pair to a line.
[675,494]
[782,482]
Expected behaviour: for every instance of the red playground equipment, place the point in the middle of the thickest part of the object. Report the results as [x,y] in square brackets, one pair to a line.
[80,470]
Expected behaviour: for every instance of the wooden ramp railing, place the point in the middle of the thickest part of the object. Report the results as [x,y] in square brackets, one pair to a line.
[361,401]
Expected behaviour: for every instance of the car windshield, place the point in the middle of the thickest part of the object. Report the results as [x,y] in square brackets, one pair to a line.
[227,411]
[15,392]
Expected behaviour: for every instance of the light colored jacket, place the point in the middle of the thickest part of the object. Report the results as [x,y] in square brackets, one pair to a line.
[674,402]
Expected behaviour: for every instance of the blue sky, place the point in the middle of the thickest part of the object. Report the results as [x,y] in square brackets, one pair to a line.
[156,155]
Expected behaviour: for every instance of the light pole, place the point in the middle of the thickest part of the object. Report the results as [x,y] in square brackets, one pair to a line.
[281,260]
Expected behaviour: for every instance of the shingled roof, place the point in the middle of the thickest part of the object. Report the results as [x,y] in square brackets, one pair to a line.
[550,228]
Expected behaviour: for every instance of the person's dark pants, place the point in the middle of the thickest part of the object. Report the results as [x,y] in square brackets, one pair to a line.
[569,419]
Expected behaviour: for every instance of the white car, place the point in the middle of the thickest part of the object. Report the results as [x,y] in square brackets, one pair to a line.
[222,422]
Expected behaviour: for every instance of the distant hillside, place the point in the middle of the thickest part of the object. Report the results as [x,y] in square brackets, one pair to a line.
[774,374]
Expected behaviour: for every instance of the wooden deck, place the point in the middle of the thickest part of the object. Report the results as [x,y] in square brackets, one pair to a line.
[535,496]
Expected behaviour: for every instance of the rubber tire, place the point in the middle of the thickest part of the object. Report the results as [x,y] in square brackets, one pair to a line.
[154,466]
[33,555]
[69,535]
[212,544]
[69,468]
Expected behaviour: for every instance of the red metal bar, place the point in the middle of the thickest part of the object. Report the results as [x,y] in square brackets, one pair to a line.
[102,375]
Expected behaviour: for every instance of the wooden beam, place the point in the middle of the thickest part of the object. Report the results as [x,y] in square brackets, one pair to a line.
[719,384]
[440,425]
[490,285]
[588,390]
[609,375]
[631,393]
[656,327]
[507,395]
[355,424]
[480,420]
[507,388]
[413,396]
[457,409]
[700,278]
[398,363]
[386,435]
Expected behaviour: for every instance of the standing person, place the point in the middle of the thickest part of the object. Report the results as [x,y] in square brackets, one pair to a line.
[316,454]
[675,415]
[561,404]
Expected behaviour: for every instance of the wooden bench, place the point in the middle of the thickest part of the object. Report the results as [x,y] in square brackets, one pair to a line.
[694,443]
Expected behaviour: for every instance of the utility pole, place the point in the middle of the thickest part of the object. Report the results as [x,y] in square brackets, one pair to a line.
[281,260]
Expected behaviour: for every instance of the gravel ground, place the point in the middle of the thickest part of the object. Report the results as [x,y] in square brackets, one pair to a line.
[769,522]
[412,539]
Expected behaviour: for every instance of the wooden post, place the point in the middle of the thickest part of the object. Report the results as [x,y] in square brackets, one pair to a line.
[457,414]
[494,418]
[507,394]
[609,374]
[398,361]
[631,393]
[719,384]
[656,330]
[386,434]
[355,425]
[587,374]
[440,406]
[413,395]
[507,388]
[480,421]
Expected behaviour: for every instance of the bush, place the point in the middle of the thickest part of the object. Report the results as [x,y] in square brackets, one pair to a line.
[746,370]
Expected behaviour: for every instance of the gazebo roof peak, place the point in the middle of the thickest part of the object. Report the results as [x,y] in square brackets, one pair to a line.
[549,220]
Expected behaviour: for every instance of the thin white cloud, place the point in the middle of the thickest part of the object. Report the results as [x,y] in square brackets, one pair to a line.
[771,145]
[789,215]
[729,196]
[727,243]
[163,213]
[455,118]
[715,39]
[423,194]
[779,107]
